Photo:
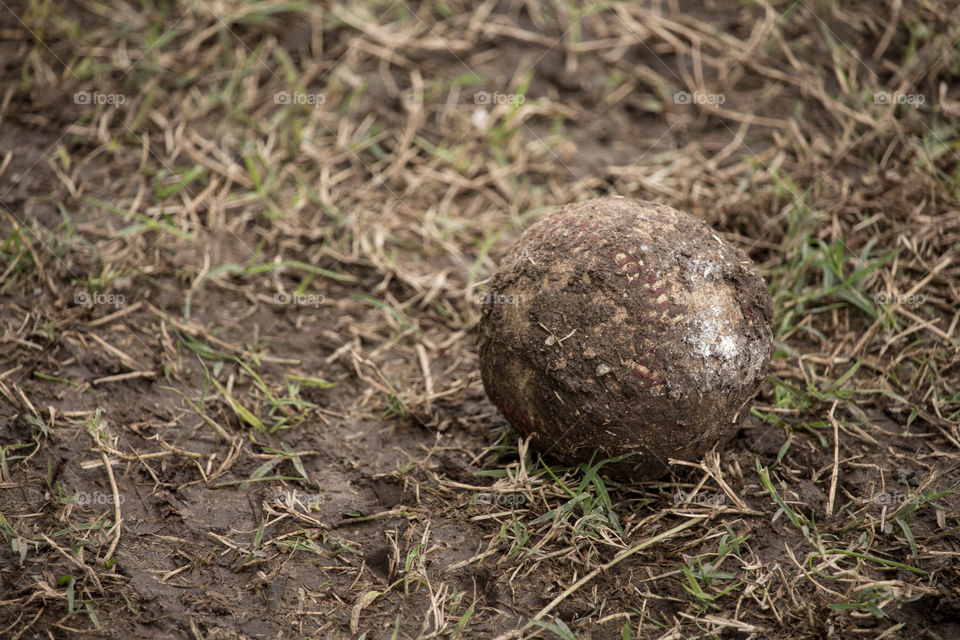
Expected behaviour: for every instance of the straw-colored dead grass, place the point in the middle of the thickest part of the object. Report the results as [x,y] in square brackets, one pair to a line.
[242,247]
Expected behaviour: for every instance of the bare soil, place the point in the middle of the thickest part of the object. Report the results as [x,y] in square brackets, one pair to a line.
[242,250]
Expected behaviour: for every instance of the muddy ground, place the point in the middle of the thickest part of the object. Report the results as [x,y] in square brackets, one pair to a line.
[243,248]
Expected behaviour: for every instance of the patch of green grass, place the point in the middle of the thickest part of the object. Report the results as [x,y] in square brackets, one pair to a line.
[16,258]
[701,575]
[872,599]
[518,533]
[166,223]
[813,276]
[168,183]
[303,542]
[793,516]
[591,499]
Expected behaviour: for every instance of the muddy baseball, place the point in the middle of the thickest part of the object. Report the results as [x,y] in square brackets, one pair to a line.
[616,327]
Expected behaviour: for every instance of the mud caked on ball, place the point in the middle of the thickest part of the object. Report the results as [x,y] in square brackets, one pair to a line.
[617,326]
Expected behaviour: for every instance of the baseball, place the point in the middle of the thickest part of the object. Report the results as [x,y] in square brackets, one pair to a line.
[616,327]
